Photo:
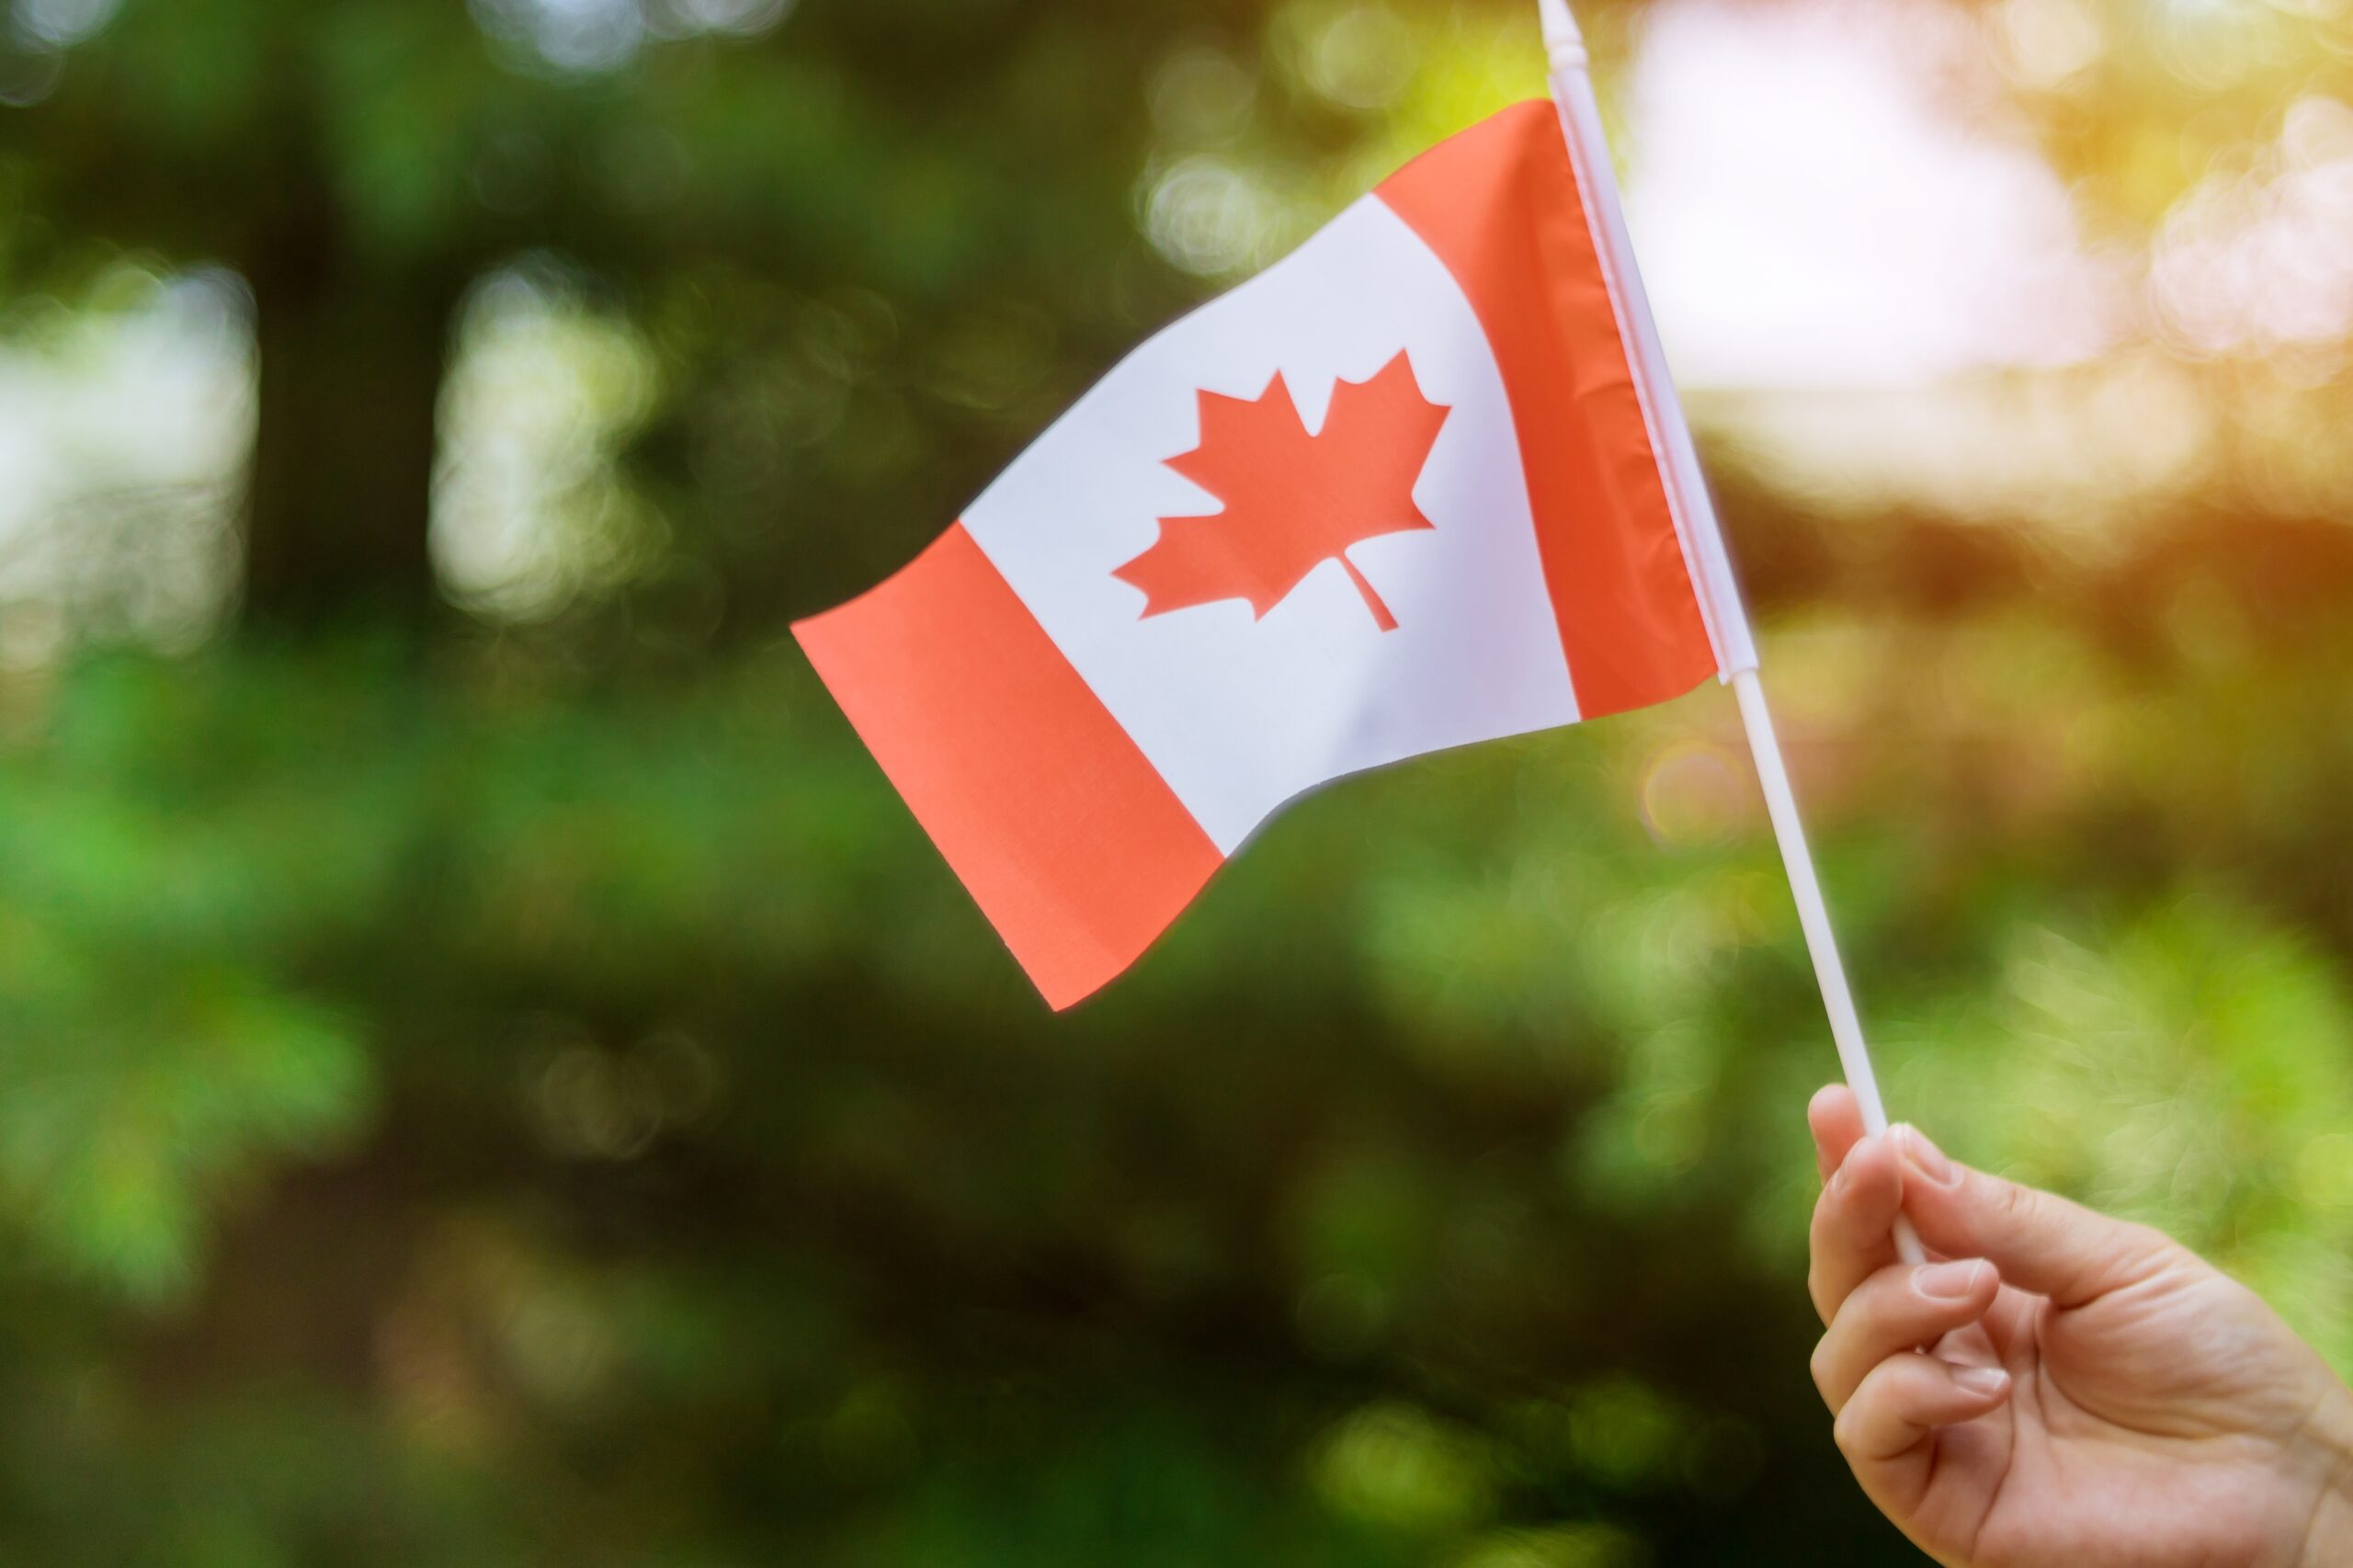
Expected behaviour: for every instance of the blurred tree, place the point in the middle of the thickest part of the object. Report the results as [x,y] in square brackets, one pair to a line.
[361,161]
[920,206]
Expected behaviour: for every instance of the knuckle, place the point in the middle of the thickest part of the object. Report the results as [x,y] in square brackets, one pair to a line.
[2137,1252]
[1819,1286]
[2012,1207]
[1819,1363]
[1846,1432]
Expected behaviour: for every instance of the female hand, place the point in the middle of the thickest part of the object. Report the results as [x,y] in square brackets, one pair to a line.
[2091,1394]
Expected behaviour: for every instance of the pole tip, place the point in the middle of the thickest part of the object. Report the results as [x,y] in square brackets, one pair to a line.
[1562,41]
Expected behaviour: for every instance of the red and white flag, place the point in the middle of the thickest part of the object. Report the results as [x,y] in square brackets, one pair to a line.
[1405,491]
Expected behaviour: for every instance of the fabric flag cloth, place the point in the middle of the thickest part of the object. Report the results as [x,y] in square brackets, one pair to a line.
[1400,493]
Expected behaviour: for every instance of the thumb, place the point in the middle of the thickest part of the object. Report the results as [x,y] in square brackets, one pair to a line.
[2040,1242]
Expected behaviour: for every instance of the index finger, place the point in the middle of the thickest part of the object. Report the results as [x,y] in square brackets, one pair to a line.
[1853,1235]
[1837,1122]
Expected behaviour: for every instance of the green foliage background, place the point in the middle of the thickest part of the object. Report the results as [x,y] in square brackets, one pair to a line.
[481,1090]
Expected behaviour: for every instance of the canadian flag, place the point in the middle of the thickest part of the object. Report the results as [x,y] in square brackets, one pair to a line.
[1404,492]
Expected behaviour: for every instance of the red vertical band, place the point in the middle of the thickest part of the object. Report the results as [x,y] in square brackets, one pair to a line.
[1073,846]
[1501,207]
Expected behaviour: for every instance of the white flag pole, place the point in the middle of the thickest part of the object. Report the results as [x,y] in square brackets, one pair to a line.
[1703,547]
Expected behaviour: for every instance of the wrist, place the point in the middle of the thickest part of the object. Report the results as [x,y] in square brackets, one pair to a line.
[2328,1536]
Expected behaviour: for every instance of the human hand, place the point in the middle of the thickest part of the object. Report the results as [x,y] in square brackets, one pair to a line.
[2093,1393]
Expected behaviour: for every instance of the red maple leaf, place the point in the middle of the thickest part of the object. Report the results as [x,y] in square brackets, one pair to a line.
[1292,500]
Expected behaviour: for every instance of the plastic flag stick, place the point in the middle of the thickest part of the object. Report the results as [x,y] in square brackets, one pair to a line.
[1710,566]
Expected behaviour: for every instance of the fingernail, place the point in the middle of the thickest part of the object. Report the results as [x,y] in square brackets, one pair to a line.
[1983,1382]
[1925,1157]
[1947,1281]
